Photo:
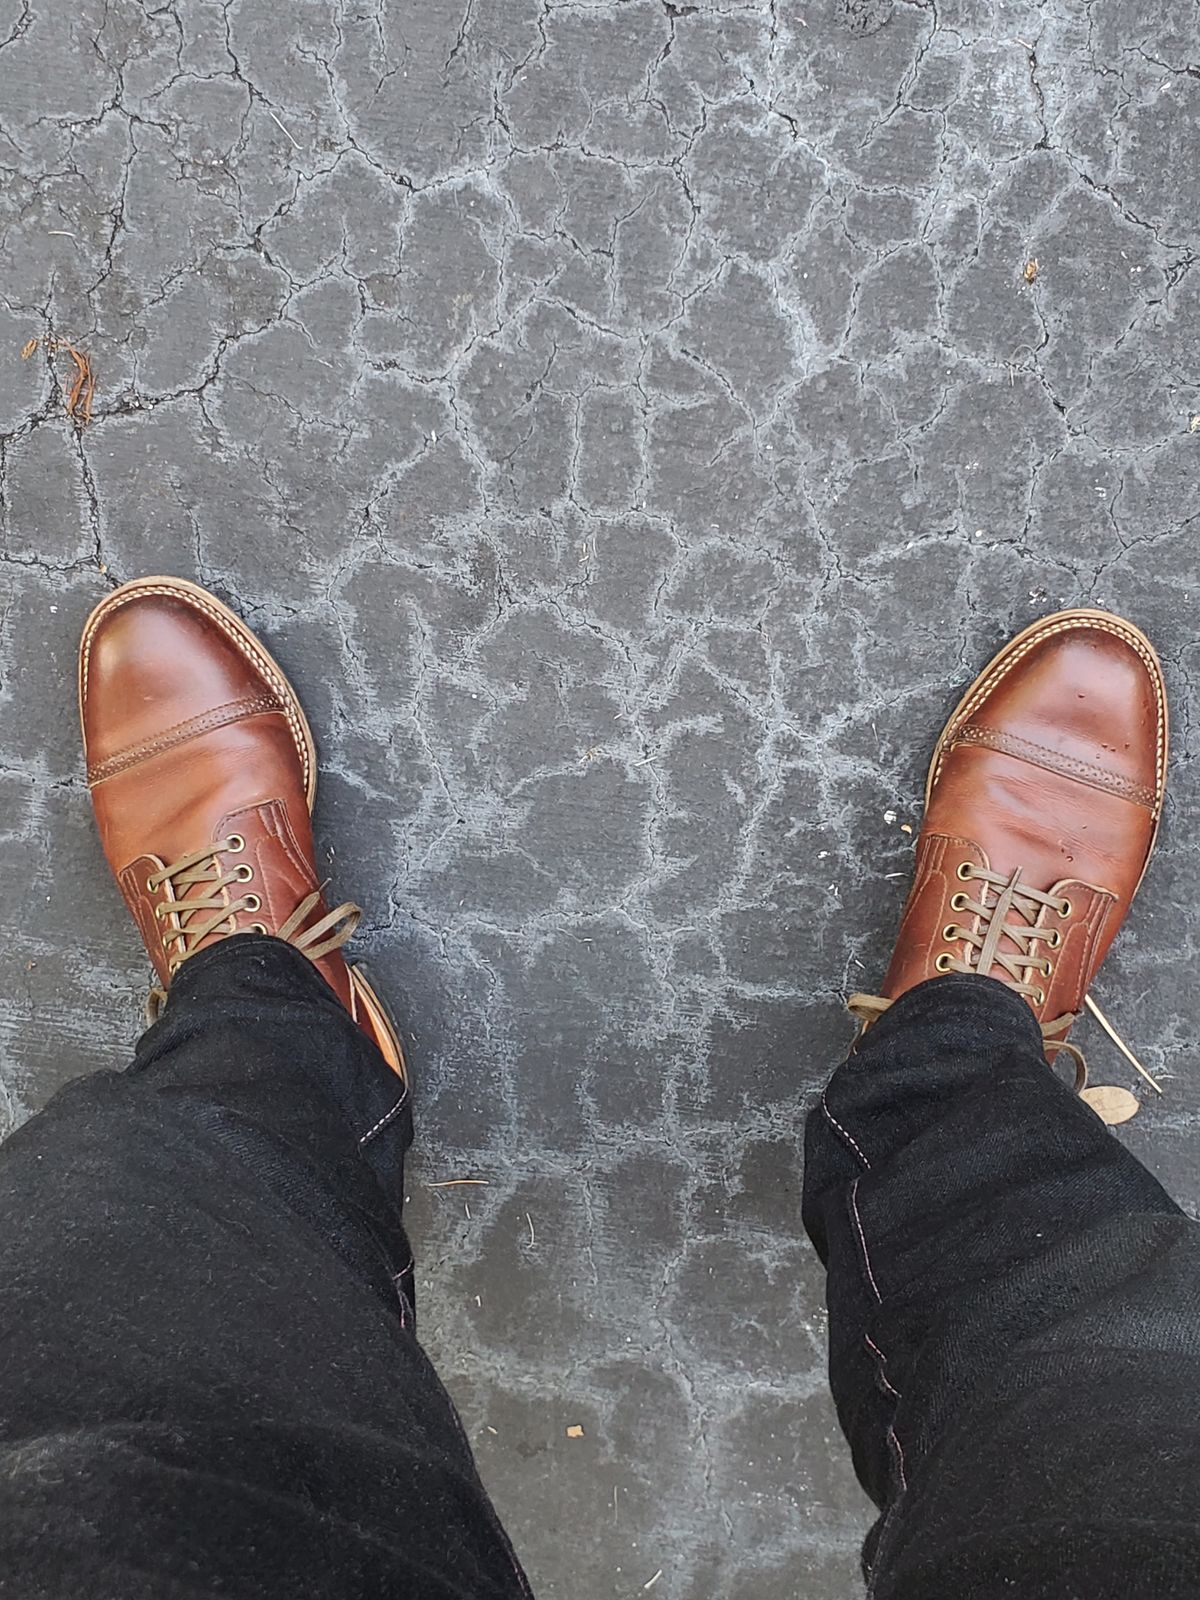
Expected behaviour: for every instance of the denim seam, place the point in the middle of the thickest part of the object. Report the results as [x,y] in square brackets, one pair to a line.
[388,1116]
[882,1360]
[893,1437]
[837,1128]
[398,1284]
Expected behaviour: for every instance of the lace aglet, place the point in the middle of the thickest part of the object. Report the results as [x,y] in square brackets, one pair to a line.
[1120,1043]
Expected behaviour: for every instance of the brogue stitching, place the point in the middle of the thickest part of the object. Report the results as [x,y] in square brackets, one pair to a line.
[206,722]
[244,644]
[1018,655]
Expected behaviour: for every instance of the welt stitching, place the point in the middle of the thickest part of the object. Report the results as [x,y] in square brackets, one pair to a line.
[243,644]
[388,1116]
[990,682]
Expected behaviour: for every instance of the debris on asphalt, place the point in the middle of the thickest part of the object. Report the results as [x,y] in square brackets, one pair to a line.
[83,385]
[1111,1103]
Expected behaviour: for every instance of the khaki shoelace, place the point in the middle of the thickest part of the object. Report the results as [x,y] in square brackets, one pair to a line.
[1011,915]
[215,909]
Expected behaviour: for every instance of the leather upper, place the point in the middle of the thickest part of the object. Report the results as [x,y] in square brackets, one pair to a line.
[1054,763]
[194,738]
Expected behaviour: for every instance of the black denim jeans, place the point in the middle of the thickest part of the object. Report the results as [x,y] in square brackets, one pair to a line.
[210,1383]
[209,1379]
[1014,1316]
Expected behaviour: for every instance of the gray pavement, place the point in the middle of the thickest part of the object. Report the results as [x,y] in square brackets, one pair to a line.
[631,424]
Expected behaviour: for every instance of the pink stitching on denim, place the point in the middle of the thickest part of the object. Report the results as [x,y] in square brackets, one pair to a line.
[862,1239]
[848,1137]
[892,1435]
[882,1359]
[398,1284]
[384,1120]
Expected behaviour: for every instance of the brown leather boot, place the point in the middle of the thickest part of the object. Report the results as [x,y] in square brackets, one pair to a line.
[202,771]
[1041,811]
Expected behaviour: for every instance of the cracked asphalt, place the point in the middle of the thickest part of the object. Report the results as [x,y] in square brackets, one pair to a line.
[631,423]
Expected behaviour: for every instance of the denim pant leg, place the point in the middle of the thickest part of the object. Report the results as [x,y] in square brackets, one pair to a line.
[1014,1310]
[210,1380]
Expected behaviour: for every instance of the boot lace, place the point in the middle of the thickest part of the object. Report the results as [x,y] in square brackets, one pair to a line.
[1007,909]
[208,898]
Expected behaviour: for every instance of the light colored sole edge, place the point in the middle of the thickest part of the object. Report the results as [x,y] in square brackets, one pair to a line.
[1060,622]
[261,658]
[370,1010]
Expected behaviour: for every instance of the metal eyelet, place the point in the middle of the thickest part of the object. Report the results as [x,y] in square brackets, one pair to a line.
[1065,909]
[251,902]
[1039,997]
[950,932]
[1055,938]
[965,870]
[942,964]
[235,842]
[258,927]
[243,871]
[151,886]
[958,902]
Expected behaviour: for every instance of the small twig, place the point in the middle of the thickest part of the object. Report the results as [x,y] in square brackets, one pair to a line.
[1119,1042]
[653,1580]
[281,127]
[532,1235]
[454,1183]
